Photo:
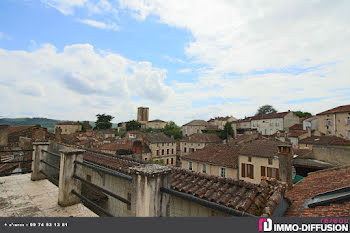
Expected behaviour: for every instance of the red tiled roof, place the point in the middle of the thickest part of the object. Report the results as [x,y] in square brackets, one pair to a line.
[344,108]
[325,140]
[15,129]
[158,137]
[258,200]
[296,127]
[202,138]
[134,132]
[221,154]
[270,116]
[296,133]
[316,183]
[114,146]
[197,123]
[261,148]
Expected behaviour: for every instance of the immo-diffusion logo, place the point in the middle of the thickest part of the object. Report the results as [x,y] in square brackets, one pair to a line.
[266,225]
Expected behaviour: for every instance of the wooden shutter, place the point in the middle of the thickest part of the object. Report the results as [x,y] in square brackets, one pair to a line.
[251,171]
[269,172]
[263,170]
[243,169]
[277,174]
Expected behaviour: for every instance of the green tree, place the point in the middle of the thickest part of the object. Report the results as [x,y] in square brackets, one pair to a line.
[228,131]
[302,114]
[133,125]
[103,121]
[266,109]
[83,128]
[171,129]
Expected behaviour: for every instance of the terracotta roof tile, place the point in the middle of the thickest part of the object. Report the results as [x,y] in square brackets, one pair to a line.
[15,129]
[344,108]
[316,183]
[325,140]
[197,122]
[157,137]
[261,148]
[221,154]
[270,116]
[202,138]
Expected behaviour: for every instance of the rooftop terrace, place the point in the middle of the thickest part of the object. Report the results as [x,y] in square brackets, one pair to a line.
[21,197]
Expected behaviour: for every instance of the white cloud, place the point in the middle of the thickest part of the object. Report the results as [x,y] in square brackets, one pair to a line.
[188,70]
[100,25]
[76,83]
[65,6]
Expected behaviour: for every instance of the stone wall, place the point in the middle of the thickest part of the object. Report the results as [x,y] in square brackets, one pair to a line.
[4,135]
[339,155]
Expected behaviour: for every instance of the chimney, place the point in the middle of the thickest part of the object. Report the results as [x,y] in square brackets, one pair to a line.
[137,147]
[285,154]
[58,132]
[4,134]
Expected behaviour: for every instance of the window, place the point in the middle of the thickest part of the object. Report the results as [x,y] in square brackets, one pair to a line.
[190,166]
[157,152]
[270,161]
[167,161]
[191,150]
[172,160]
[265,131]
[247,170]
[204,170]
[197,130]
[223,172]
[184,131]
[263,171]
[162,151]
[185,149]
[172,151]
[249,159]
[348,121]
[191,131]
[329,122]
[145,159]
[162,144]
[167,151]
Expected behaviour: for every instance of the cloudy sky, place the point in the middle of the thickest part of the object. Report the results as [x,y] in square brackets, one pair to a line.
[184,59]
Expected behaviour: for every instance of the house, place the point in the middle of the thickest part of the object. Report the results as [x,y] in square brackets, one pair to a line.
[214,159]
[197,141]
[196,126]
[133,134]
[243,126]
[335,122]
[323,193]
[156,124]
[68,127]
[310,123]
[221,121]
[269,124]
[296,133]
[265,159]
[163,148]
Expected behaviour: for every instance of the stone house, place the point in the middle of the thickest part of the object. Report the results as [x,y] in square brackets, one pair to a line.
[156,124]
[163,148]
[214,159]
[68,127]
[335,122]
[269,124]
[133,134]
[221,121]
[196,126]
[311,123]
[265,159]
[197,141]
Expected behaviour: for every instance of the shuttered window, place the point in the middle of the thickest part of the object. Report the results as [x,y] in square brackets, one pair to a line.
[243,169]
[263,171]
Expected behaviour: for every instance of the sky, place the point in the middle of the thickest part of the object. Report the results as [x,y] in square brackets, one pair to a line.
[184,59]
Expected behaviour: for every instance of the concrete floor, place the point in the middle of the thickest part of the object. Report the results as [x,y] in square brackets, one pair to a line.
[21,197]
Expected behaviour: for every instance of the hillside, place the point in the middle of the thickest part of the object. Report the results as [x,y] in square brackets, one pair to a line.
[44,122]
